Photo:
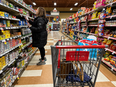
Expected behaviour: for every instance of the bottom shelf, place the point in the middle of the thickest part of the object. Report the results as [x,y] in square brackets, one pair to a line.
[69,37]
[15,77]
[109,65]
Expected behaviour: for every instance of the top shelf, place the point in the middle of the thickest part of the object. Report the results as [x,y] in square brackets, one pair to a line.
[98,9]
[8,9]
[20,5]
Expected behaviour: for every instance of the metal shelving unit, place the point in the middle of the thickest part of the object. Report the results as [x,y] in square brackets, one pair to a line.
[20,5]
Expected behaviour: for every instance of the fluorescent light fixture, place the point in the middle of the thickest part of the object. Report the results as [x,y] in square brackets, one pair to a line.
[55,3]
[75,4]
[34,3]
[71,9]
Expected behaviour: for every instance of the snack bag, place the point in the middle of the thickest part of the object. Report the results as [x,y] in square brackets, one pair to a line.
[105,41]
[108,11]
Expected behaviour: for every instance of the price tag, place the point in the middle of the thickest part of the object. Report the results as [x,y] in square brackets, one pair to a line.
[108,38]
[111,17]
[1,71]
[112,68]
[113,52]
[5,42]
[111,4]
[106,49]
[2,29]
[17,77]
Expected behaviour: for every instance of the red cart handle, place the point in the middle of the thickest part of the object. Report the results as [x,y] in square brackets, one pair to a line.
[77,46]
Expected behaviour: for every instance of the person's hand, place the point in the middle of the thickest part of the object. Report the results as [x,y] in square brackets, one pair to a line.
[29,25]
[27,18]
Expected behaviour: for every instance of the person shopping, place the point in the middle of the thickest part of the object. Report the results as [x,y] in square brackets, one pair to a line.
[39,32]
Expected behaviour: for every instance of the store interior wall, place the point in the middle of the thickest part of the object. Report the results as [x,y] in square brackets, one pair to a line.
[65,15]
[64,12]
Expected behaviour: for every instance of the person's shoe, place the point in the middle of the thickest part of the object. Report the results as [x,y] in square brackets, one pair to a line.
[41,63]
[44,59]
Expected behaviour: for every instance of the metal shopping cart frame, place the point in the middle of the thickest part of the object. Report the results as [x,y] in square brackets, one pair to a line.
[91,67]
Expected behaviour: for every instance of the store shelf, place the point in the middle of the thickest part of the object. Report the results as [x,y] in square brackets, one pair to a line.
[26,45]
[83,21]
[8,18]
[111,4]
[6,28]
[113,52]
[108,64]
[110,25]
[73,23]
[83,25]
[14,27]
[109,37]
[15,77]
[96,19]
[70,38]
[7,65]
[98,9]
[10,50]
[26,36]
[20,5]
[23,26]
[87,33]
[10,38]
[111,16]
[92,25]
[8,9]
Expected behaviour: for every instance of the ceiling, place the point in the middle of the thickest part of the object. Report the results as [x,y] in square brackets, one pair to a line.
[61,3]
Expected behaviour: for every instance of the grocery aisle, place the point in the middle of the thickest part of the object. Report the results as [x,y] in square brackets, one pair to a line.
[41,76]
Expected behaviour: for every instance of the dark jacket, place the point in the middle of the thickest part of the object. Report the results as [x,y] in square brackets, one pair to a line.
[39,32]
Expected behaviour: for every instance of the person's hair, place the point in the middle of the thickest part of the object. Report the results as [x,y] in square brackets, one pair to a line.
[41,12]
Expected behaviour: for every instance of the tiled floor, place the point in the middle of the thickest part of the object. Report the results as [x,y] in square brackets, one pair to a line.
[41,76]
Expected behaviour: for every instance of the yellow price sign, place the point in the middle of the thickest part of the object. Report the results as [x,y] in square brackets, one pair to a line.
[5,42]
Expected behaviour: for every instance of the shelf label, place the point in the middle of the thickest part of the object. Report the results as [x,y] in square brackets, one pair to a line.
[113,52]
[1,71]
[108,38]
[111,17]
[3,40]
[112,68]
[106,49]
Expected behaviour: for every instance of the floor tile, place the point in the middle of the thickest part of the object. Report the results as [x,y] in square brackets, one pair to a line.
[28,73]
[49,41]
[45,78]
[114,82]
[104,84]
[102,78]
[39,85]
[47,47]
[107,73]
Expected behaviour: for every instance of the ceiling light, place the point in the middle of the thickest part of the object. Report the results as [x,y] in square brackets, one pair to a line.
[75,4]
[55,3]
[34,3]
[54,8]
[71,8]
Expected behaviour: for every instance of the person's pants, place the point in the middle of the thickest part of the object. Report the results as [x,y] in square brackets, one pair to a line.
[42,52]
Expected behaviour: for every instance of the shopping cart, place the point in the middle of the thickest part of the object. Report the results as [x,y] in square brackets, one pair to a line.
[72,68]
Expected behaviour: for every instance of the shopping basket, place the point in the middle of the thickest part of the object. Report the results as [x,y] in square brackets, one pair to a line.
[72,68]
